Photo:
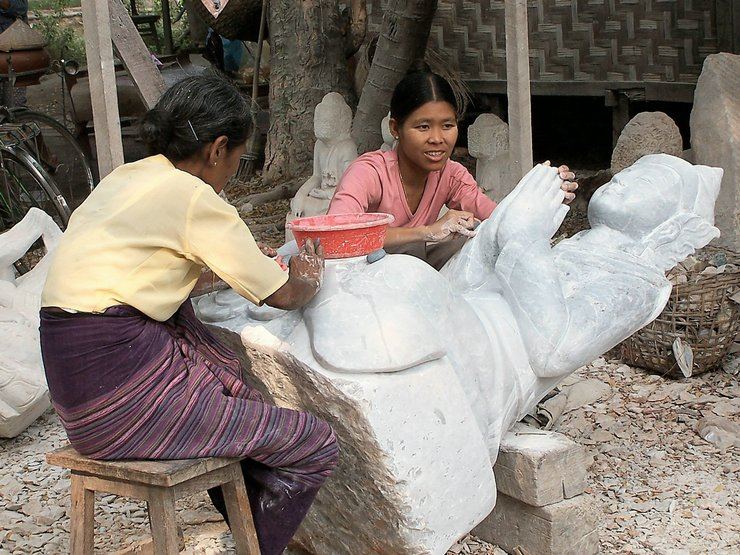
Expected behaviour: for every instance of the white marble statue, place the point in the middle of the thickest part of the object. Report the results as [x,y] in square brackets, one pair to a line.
[437,366]
[389,141]
[23,391]
[488,143]
[333,152]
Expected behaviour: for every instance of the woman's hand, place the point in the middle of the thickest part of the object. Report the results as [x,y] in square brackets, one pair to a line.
[454,221]
[266,250]
[568,186]
[305,274]
[308,265]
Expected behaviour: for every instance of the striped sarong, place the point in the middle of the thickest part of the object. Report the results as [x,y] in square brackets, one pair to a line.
[129,387]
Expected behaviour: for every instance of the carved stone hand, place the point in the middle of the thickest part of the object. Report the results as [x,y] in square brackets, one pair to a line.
[536,210]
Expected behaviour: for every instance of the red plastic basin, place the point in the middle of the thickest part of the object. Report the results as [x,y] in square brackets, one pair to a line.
[343,235]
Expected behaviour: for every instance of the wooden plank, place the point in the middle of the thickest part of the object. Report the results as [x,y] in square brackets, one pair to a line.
[167,27]
[736,26]
[240,514]
[159,473]
[135,55]
[672,92]
[620,114]
[517,87]
[725,32]
[82,521]
[161,507]
[99,50]
[117,487]
[203,482]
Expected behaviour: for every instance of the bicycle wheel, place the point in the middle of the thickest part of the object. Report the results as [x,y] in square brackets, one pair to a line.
[25,184]
[60,155]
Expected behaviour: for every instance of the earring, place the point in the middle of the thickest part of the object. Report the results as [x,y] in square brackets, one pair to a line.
[215,163]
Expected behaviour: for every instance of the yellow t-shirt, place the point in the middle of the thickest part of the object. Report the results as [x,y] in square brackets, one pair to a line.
[141,239]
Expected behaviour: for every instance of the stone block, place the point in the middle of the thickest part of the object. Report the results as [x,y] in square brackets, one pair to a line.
[715,137]
[565,528]
[488,143]
[646,133]
[540,467]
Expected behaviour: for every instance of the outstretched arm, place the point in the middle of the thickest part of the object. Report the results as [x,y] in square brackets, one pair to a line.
[526,268]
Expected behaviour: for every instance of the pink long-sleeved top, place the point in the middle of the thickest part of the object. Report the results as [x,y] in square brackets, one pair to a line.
[372,183]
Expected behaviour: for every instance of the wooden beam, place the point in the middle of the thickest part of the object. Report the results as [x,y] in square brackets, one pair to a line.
[102,76]
[167,27]
[728,25]
[620,105]
[134,54]
[669,92]
[517,86]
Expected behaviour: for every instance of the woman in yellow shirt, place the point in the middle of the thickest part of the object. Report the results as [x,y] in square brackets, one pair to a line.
[131,371]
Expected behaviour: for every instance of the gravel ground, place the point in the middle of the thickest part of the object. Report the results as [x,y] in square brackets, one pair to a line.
[660,486]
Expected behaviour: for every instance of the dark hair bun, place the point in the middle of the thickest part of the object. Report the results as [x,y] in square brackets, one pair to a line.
[193,113]
[156,130]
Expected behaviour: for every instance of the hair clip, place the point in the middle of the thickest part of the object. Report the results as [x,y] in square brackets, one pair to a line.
[193,130]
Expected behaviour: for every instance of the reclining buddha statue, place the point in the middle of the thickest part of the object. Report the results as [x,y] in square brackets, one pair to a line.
[421,372]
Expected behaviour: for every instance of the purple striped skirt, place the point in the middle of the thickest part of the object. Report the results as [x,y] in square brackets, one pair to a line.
[129,387]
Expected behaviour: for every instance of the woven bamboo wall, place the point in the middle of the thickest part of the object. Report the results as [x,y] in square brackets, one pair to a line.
[578,40]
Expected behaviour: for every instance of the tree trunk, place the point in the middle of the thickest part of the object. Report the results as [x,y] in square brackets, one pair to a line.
[196,25]
[307,60]
[403,39]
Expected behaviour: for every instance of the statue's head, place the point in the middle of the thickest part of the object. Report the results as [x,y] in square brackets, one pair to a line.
[332,118]
[660,200]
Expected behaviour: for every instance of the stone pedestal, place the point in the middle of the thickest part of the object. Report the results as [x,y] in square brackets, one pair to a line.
[565,528]
[539,467]
[541,507]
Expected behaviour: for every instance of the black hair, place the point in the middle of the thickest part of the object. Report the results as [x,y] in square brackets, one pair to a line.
[194,112]
[419,86]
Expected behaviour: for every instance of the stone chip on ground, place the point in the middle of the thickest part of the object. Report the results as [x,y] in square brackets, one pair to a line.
[694,486]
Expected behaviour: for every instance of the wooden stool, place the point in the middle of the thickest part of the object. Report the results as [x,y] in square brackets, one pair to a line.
[159,483]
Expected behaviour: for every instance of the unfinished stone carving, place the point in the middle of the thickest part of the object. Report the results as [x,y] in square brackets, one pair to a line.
[333,152]
[23,391]
[422,372]
[715,136]
[646,133]
[488,143]
[389,141]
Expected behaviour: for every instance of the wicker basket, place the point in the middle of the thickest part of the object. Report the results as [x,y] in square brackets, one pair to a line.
[700,313]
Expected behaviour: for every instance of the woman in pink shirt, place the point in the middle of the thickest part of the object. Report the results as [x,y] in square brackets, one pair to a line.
[416,179]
